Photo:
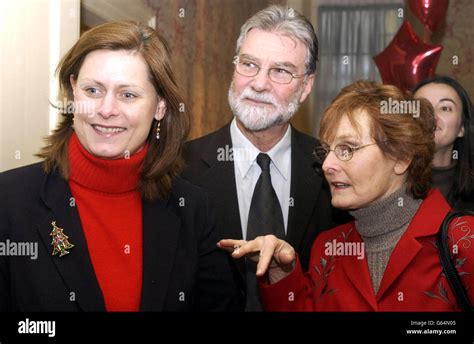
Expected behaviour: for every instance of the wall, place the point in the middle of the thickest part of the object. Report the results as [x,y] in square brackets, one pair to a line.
[33,36]
[305,117]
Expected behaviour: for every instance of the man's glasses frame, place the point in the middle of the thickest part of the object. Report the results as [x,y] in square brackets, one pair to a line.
[276,74]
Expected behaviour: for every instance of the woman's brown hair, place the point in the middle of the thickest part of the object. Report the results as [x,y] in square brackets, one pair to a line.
[163,161]
[402,135]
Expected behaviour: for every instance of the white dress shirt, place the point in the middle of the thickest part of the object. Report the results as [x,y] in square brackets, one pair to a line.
[247,172]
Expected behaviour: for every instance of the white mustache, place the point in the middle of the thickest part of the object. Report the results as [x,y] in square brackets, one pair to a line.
[261,97]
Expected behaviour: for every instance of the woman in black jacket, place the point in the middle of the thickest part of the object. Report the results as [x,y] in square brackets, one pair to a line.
[103,223]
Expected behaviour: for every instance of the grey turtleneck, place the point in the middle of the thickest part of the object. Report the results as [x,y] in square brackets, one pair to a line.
[381,225]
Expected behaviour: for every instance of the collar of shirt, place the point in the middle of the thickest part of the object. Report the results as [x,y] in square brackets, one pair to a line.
[245,153]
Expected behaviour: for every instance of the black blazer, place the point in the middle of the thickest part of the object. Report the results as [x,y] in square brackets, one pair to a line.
[182,268]
[312,211]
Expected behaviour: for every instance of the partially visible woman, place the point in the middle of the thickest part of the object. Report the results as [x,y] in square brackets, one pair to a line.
[453,162]
[377,161]
[111,226]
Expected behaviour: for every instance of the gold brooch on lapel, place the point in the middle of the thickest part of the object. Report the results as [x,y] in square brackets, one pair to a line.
[60,241]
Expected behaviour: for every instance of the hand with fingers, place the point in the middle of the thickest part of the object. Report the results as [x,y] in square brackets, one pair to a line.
[271,254]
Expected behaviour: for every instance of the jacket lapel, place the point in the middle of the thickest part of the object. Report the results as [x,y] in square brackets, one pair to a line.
[75,268]
[161,230]
[405,251]
[219,179]
[304,190]
[357,270]
[426,222]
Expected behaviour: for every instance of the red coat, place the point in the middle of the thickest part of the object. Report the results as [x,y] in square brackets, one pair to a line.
[413,280]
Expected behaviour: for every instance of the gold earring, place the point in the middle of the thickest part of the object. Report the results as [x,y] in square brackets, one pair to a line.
[158,130]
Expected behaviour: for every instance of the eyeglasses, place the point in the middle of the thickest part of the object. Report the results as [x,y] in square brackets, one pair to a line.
[278,75]
[343,152]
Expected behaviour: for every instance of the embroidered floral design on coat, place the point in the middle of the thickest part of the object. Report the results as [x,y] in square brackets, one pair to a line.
[326,266]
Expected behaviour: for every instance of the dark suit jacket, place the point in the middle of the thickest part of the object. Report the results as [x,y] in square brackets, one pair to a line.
[182,268]
[311,213]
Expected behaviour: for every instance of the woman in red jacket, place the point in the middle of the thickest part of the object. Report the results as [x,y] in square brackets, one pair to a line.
[377,146]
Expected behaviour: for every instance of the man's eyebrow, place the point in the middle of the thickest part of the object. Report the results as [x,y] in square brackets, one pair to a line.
[249,57]
[284,64]
[274,64]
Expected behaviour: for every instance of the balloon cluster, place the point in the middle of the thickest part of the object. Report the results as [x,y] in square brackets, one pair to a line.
[407,60]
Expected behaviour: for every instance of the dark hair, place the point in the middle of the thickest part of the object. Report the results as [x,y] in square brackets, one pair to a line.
[163,161]
[463,186]
[401,136]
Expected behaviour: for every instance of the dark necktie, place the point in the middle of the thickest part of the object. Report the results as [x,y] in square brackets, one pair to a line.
[265,217]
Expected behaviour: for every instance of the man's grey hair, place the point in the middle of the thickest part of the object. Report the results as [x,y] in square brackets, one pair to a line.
[288,22]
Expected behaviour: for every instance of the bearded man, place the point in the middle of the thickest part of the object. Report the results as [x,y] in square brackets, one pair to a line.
[260,173]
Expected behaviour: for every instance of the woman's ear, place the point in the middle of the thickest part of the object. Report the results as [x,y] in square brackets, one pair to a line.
[160,110]
[401,166]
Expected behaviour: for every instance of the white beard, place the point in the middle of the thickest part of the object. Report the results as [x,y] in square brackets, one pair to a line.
[259,118]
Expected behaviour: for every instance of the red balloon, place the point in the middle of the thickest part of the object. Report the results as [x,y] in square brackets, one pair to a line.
[407,60]
[430,12]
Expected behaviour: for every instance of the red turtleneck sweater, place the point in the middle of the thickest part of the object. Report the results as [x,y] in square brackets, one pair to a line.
[110,209]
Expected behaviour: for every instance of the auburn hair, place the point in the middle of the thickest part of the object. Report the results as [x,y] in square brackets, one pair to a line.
[400,135]
[163,161]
